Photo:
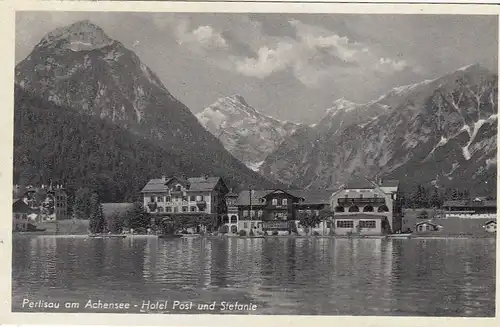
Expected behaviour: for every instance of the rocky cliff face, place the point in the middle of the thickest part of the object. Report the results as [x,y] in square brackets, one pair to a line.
[245,132]
[79,67]
[442,132]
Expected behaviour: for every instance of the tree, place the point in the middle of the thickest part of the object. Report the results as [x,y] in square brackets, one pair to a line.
[309,221]
[81,205]
[137,217]
[96,219]
[436,199]
[114,222]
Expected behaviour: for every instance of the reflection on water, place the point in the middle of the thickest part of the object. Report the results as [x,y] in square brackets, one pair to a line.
[454,277]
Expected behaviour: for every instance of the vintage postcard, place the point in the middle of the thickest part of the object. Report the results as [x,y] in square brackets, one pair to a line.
[249,163]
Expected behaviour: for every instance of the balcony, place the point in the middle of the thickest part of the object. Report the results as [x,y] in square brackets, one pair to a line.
[349,201]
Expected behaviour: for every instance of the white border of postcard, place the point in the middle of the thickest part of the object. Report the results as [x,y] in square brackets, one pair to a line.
[7,17]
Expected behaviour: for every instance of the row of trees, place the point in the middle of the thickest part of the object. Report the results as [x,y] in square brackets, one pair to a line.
[87,205]
[431,197]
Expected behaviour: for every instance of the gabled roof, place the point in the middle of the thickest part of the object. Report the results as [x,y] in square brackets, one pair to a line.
[389,183]
[493,221]
[244,197]
[181,180]
[277,191]
[358,182]
[314,197]
[428,223]
[309,197]
[195,184]
[203,183]
[19,206]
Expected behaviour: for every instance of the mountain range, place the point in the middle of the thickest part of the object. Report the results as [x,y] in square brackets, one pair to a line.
[78,68]
[245,132]
[89,112]
[440,132]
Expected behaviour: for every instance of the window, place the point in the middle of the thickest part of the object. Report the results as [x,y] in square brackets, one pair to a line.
[328,224]
[160,209]
[245,213]
[383,208]
[252,213]
[168,209]
[284,202]
[367,224]
[259,213]
[345,224]
[252,225]
[275,202]
[234,219]
[168,199]
[176,209]
[152,199]
[178,188]
[184,198]
[199,198]
[245,225]
[184,209]
[193,209]
[368,208]
[354,209]
[339,209]
[192,198]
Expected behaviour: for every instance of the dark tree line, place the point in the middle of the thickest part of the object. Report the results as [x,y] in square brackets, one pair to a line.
[431,197]
[67,147]
[87,205]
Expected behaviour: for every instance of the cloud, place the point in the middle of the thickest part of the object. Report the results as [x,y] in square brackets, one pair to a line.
[198,39]
[316,54]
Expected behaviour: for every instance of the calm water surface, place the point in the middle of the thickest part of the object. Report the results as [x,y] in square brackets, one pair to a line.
[439,277]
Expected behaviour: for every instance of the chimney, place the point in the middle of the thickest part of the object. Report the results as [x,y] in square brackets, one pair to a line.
[205,176]
[164,178]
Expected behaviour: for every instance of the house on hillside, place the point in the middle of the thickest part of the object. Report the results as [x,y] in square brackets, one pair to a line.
[190,198]
[427,226]
[490,226]
[367,208]
[20,214]
[49,203]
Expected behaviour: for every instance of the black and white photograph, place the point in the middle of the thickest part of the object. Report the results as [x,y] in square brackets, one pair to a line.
[255,164]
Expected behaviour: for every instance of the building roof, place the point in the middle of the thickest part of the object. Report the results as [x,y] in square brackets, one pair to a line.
[359,216]
[493,221]
[244,197]
[314,197]
[309,197]
[389,183]
[195,184]
[109,209]
[469,203]
[427,222]
[358,182]
[19,206]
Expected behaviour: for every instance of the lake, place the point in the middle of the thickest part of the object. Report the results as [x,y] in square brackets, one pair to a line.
[326,276]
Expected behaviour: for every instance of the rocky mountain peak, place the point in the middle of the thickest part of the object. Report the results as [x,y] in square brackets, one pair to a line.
[238,98]
[79,36]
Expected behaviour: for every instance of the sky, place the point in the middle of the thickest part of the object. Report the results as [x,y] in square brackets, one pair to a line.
[289,66]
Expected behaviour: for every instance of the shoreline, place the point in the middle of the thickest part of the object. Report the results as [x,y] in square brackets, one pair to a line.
[211,237]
